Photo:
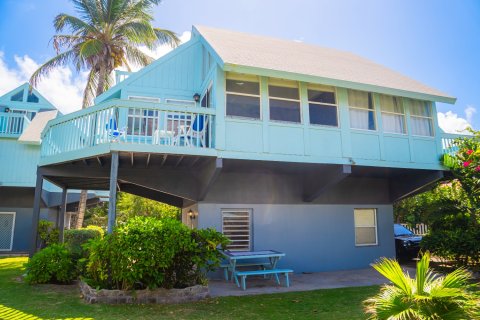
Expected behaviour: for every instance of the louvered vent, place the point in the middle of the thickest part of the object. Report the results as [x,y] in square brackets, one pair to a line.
[237,228]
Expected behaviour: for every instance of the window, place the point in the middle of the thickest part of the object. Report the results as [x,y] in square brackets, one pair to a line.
[322,106]
[179,102]
[142,122]
[32,98]
[17,96]
[236,226]
[421,118]
[365,227]
[362,112]
[243,96]
[206,101]
[144,99]
[284,100]
[393,115]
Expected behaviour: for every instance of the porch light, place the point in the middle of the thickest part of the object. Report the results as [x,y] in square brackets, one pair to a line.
[196,97]
[7,110]
[192,215]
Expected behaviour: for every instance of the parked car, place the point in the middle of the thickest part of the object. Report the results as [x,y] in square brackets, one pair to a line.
[407,244]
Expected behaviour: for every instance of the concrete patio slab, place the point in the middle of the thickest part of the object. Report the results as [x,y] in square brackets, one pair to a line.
[302,282]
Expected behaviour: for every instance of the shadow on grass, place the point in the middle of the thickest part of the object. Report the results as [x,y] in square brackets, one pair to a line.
[7,313]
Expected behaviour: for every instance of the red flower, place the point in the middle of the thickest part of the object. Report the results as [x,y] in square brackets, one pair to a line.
[477,168]
[466,163]
[469,152]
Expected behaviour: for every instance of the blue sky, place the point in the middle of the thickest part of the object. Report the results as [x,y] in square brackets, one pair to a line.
[434,41]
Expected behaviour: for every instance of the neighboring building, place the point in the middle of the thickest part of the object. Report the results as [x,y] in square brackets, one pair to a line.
[23,115]
[280,145]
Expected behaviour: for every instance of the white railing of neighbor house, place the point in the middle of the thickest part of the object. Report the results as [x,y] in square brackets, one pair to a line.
[449,145]
[129,122]
[12,124]
[420,229]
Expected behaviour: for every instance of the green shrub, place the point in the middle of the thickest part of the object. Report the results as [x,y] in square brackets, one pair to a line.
[147,252]
[50,265]
[47,233]
[76,238]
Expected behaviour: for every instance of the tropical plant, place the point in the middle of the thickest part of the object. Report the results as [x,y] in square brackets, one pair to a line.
[427,296]
[129,206]
[47,233]
[105,35]
[53,264]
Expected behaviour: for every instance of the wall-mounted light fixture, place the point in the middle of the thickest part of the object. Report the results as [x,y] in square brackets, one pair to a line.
[7,110]
[192,215]
[196,97]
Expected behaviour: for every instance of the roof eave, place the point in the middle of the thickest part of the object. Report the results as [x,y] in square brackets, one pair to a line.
[337,83]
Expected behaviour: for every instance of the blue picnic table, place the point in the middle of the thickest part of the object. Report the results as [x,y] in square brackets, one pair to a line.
[267,259]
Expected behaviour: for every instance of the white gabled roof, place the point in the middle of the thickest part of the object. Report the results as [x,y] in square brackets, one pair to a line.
[32,134]
[241,49]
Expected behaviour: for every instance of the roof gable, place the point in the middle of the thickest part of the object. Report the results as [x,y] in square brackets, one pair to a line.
[293,58]
[26,96]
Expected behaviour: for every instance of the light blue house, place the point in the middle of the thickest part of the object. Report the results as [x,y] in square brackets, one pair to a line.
[23,115]
[279,145]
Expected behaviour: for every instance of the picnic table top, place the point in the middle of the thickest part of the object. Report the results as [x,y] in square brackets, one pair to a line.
[252,254]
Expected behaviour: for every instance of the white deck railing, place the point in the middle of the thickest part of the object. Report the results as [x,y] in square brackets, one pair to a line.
[12,124]
[129,122]
[449,144]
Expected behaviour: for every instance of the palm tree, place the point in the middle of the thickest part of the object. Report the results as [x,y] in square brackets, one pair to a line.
[428,296]
[103,36]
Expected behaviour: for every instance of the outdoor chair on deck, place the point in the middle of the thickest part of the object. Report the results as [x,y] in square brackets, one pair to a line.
[197,129]
[113,133]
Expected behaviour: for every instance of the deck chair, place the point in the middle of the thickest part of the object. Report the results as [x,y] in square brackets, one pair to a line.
[195,130]
[114,134]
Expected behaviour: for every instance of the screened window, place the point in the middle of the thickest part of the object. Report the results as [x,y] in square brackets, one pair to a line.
[236,226]
[142,122]
[421,118]
[362,112]
[365,227]
[29,114]
[393,115]
[284,100]
[322,106]
[243,96]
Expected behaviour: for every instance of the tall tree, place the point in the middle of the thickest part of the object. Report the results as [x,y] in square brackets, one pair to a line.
[104,35]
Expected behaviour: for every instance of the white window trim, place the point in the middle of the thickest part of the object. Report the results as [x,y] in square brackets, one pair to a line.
[405,130]
[259,96]
[364,109]
[180,102]
[144,99]
[250,217]
[376,228]
[13,230]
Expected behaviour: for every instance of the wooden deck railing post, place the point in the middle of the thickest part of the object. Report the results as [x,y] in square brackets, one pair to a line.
[36,212]
[113,192]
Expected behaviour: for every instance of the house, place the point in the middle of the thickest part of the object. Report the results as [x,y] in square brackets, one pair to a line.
[24,112]
[277,144]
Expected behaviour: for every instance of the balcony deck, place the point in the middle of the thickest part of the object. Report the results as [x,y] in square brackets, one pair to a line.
[12,125]
[131,126]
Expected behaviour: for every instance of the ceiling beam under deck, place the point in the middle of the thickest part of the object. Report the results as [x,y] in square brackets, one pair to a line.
[317,184]
[152,194]
[411,184]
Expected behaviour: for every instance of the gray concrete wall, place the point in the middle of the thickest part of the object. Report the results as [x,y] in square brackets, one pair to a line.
[314,237]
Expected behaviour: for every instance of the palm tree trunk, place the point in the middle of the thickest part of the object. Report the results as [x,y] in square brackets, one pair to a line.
[82,205]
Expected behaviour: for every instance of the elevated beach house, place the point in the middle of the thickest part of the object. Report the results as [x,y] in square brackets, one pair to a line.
[24,112]
[279,145]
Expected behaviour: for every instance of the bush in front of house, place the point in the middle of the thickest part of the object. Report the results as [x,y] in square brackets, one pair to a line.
[76,238]
[52,264]
[47,233]
[151,253]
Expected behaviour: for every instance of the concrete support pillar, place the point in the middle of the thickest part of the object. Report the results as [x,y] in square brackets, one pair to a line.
[61,217]
[112,205]
[36,212]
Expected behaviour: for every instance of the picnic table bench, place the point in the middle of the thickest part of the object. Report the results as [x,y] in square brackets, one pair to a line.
[227,267]
[275,272]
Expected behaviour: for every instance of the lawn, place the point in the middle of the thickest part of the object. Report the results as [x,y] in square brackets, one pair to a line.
[19,300]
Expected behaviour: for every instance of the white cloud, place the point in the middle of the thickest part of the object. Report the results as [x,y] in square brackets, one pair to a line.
[451,123]
[61,87]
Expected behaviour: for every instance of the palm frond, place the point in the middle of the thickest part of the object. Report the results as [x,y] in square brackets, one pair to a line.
[167,37]
[61,59]
[89,92]
[391,270]
[65,41]
[75,24]
[137,57]
[90,47]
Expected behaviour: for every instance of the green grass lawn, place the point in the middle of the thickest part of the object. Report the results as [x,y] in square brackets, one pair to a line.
[18,299]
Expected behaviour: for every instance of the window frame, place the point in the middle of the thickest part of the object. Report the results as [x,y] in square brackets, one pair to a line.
[376,227]
[405,132]
[323,88]
[278,83]
[14,214]
[429,105]
[250,225]
[145,99]
[374,110]
[239,76]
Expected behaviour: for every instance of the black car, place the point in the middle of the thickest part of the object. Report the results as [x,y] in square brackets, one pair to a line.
[407,244]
